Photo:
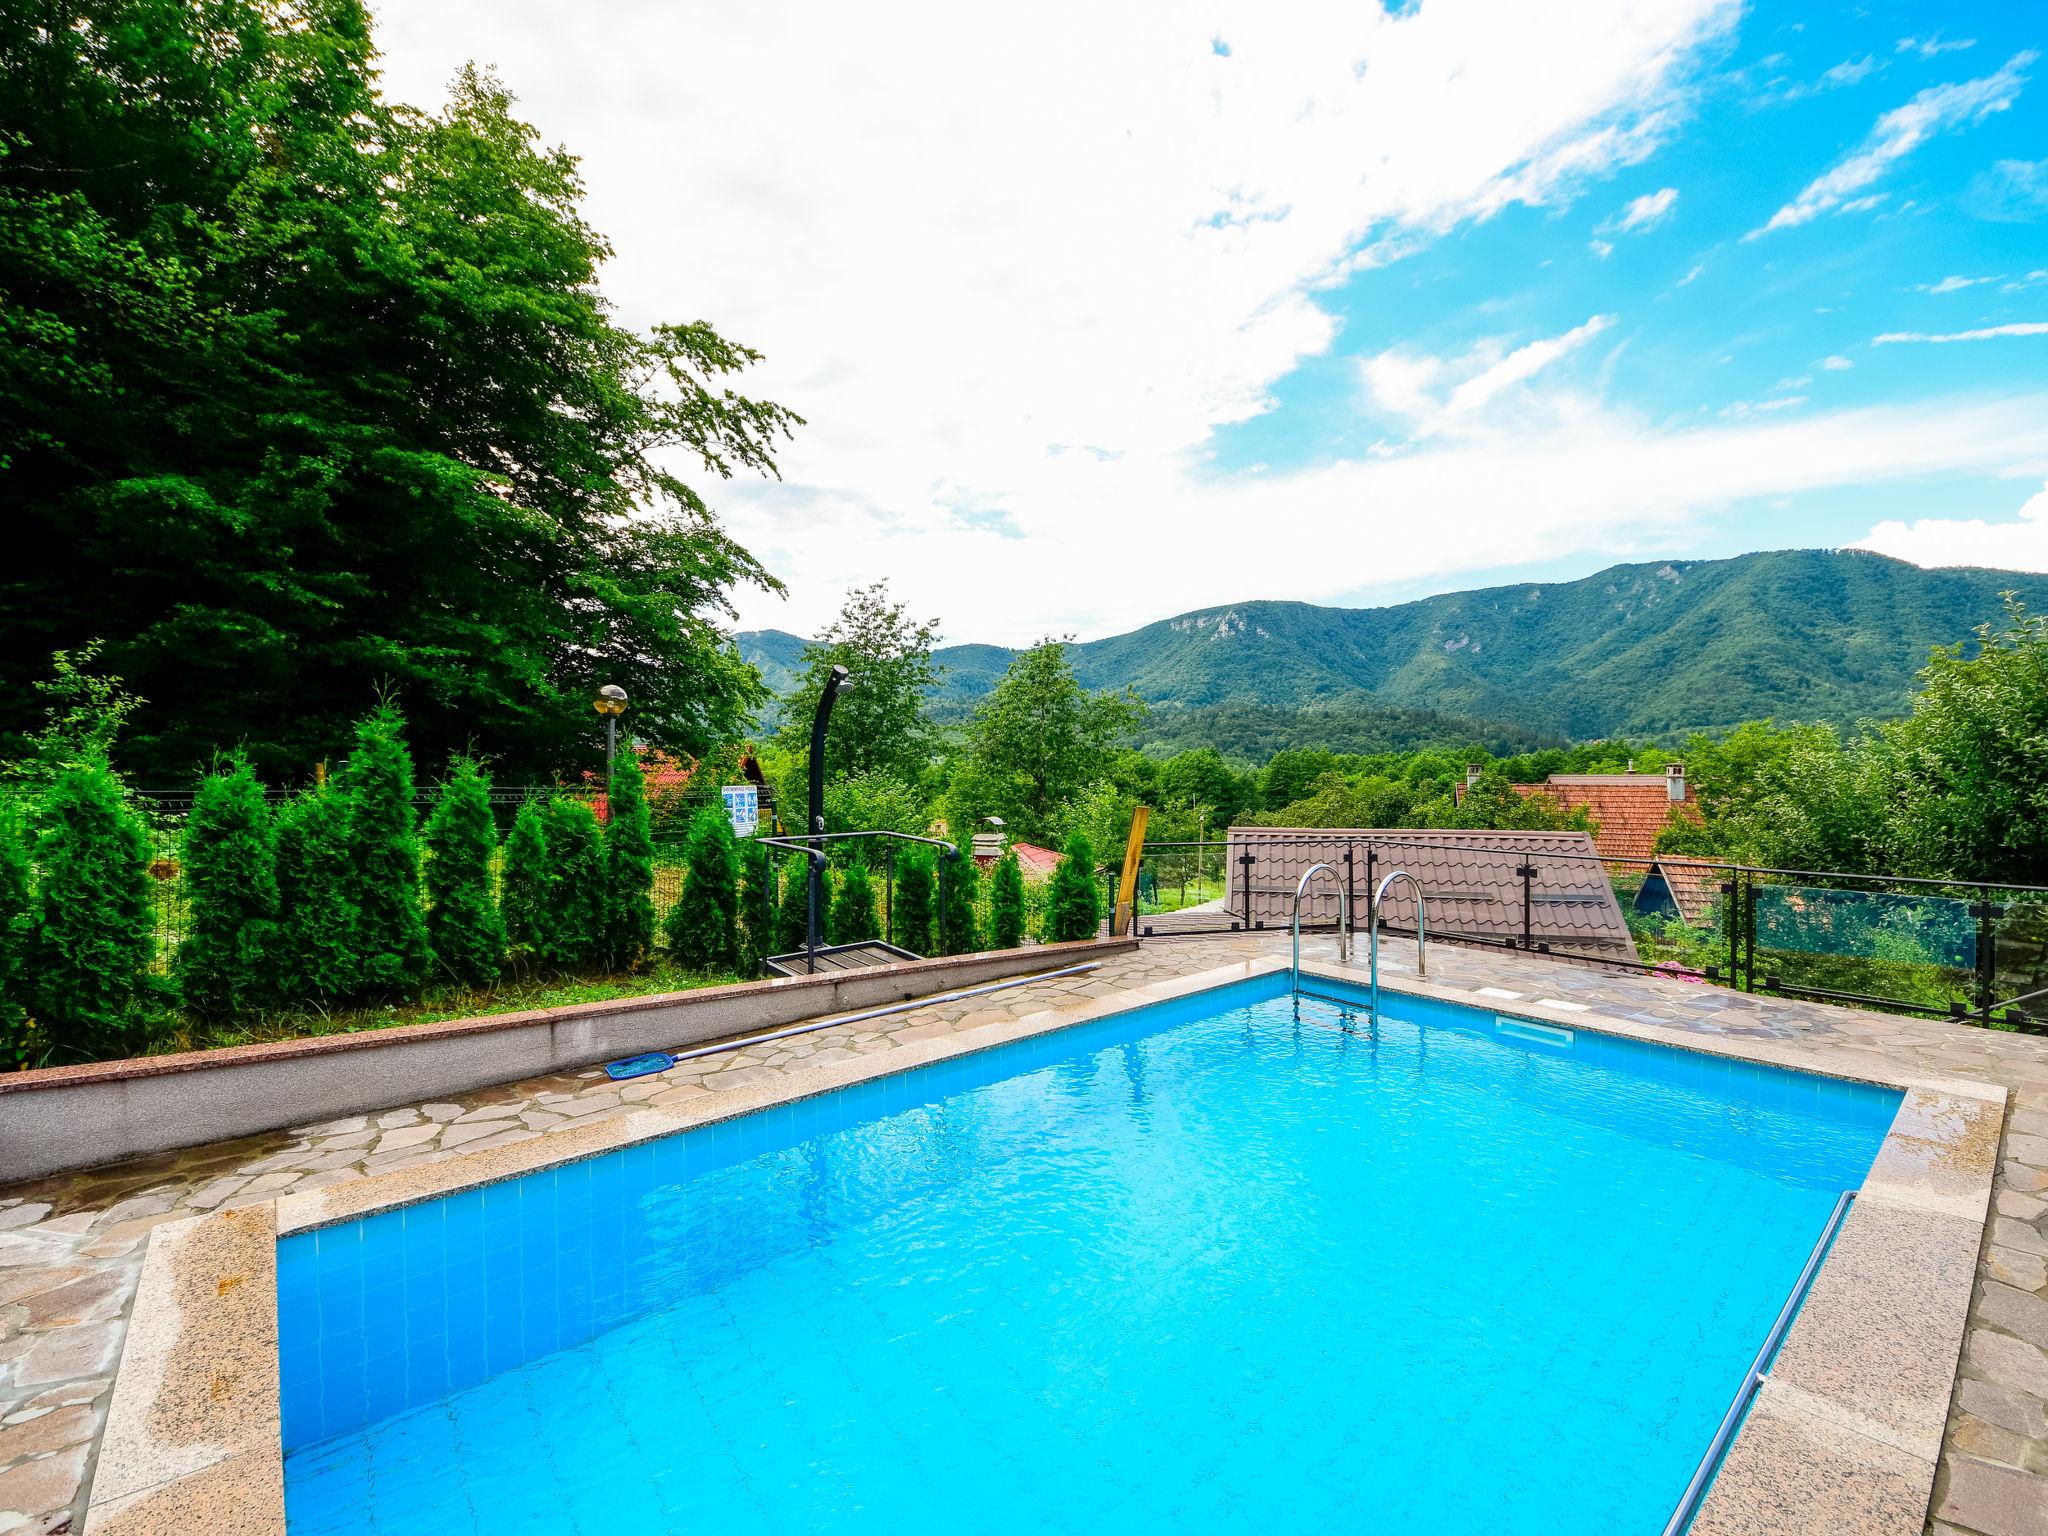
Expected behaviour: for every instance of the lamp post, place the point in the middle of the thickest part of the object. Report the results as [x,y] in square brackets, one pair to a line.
[835,683]
[611,703]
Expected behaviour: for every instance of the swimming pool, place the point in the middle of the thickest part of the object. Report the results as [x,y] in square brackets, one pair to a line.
[1191,1267]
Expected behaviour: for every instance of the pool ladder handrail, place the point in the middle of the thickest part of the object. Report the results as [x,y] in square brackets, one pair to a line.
[1379,901]
[1343,923]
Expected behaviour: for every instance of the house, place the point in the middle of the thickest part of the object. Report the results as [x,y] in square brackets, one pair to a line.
[1037,863]
[1628,809]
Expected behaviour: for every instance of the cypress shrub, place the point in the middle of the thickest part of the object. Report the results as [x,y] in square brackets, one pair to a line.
[384,846]
[231,896]
[1006,902]
[913,908]
[628,866]
[702,927]
[17,928]
[957,935]
[1073,905]
[92,944]
[758,914]
[525,879]
[793,909]
[574,924]
[853,907]
[314,960]
[463,924]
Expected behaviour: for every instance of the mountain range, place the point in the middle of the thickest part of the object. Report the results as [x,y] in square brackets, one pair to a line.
[1654,649]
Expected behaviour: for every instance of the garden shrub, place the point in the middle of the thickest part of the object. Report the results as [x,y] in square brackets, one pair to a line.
[523,900]
[793,908]
[464,927]
[757,910]
[702,925]
[17,928]
[314,957]
[962,888]
[93,940]
[853,906]
[914,907]
[230,875]
[1006,903]
[628,865]
[574,926]
[383,839]
[1073,904]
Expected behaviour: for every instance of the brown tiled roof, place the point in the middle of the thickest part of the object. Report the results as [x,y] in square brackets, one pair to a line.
[1034,860]
[1469,881]
[1628,810]
[1695,889]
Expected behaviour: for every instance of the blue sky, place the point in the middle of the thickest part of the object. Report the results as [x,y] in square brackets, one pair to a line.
[1103,315]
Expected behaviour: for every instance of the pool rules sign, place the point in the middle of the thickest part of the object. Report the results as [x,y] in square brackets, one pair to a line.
[743,805]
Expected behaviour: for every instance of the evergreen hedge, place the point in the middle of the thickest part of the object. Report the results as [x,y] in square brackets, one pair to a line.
[1073,903]
[913,911]
[701,926]
[628,865]
[230,875]
[1006,902]
[383,840]
[17,929]
[574,925]
[464,927]
[957,935]
[793,906]
[757,911]
[527,874]
[853,907]
[314,958]
[92,946]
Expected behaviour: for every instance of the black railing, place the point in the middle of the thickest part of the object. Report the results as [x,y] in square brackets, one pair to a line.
[1975,950]
[812,850]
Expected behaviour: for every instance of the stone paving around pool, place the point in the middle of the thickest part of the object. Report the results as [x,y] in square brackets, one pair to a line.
[71,1246]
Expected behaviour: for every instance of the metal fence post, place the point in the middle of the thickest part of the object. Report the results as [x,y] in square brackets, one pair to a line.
[1350,892]
[1371,888]
[1732,921]
[1247,860]
[1528,873]
[1749,934]
[889,901]
[939,927]
[1986,913]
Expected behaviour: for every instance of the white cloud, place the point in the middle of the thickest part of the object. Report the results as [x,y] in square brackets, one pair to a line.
[1439,395]
[1986,333]
[1897,134]
[2020,545]
[1642,213]
[1836,364]
[1928,47]
[1953,284]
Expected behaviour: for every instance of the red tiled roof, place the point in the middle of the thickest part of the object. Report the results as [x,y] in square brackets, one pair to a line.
[1628,810]
[1035,860]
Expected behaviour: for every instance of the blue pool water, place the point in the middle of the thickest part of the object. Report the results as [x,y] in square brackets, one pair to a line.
[1196,1268]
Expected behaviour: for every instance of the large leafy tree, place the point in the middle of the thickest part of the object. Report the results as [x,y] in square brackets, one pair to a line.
[303,391]
[881,724]
[1037,741]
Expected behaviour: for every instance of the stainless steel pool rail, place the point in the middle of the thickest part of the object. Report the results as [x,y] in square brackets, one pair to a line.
[1343,924]
[1753,1380]
[1379,899]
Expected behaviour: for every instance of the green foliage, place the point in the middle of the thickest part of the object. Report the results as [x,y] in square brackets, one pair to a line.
[1006,903]
[525,899]
[315,959]
[93,936]
[1073,901]
[390,936]
[628,865]
[464,928]
[17,933]
[1200,779]
[957,934]
[872,801]
[300,386]
[853,906]
[1292,775]
[230,876]
[758,913]
[1036,742]
[879,725]
[914,913]
[1246,732]
[702,925]
[574,923]
[792,907]
[83,709]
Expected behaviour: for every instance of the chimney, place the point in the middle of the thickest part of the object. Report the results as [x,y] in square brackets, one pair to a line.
[1471,774]
[1674,780]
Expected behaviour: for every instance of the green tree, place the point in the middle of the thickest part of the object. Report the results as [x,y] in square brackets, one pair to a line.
[872,800]
[792,908]
[574,923]
[525,882]
[881,724]
[230,875]
[93,939]
[1293,774]
[628,865]
[17,933]
[315,935]
[758,913]
[300,386]
[960,891]
[1039,739]
[390,935]
[1073,901]
[913,913]
[464,927]
[1200,778]
[702,925]
[1006,902]
[853,906]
